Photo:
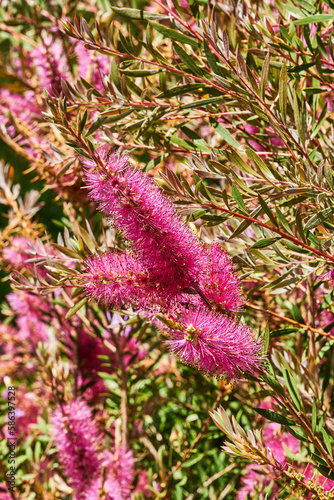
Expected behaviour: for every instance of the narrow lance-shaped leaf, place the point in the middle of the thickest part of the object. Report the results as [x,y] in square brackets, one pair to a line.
[241,62]
[211,58]
[226,44]
[296,114]
[319,218]
[317,18]
[224,134]
[299,224]
[138,14]
[238,198]
[283,92]
[264,242]
[327,441]
[283,221]
[174,35]
[76,308]
[274,416]
[264,75]
[245,223]
[267,210]
[189,61]
[292,388]
[266,338]
[314,416]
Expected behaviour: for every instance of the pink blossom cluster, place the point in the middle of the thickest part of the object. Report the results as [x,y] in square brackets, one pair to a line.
[93,472]
[167,270]
[37,317]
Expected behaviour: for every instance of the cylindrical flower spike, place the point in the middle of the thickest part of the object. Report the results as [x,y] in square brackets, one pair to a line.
[213,343]
[77,440]
[172,254]
[119,475]
[121,280]
[220,284]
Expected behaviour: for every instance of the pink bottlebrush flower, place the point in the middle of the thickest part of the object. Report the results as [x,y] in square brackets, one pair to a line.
[92,66]
[51,64]
[221,285]
[142,485]
[23,110]
[132,350]
[119,477]
[22,106]
[77,439]
[15,254]
[30,310]
[172,254]
[110,490]
[213,343]
[4,495]
[120,280]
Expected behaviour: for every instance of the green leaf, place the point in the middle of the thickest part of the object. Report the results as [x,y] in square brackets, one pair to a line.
[266,338]
[283,92]
[67,251]
[292,388]
[82,123]
[301,67]
[274,417]
[153,163]
[296,314]
[327,441]
[314,416]
[283,221]
[296,114]
[197,140]
[224,134]
[298,436]
[137,14]
[64,169]
[181,90]
[264,75]
[245,223]
[294,248]
[329,176]
[319,121]
[274,384]
[259,162]
[202,102]
[241,62]
[193,461]
[238,198]
[76,308]
[264,242]
[317,18]
[283,331]
[197,215]
[319,218]
[211,58]
[236,159]
[189,61]
[174,35]
[299,224]
[140,72]
[267,210]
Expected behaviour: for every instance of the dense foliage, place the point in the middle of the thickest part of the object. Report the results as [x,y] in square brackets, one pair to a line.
[167,220]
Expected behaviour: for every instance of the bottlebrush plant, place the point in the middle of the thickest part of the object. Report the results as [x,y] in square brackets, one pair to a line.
[167,224]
